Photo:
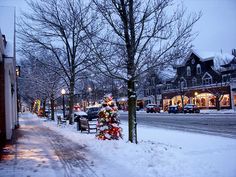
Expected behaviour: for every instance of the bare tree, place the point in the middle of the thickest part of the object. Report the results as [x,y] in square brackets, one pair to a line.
[136,36]
[57,26]
[38,81]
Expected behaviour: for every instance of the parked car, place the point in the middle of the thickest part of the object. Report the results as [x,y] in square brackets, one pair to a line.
[174,109]
[58,113]
[47,113]
[92,112]
[152,108]
[191,108]
[80,114]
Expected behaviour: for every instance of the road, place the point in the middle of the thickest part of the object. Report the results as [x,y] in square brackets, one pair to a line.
[216,124]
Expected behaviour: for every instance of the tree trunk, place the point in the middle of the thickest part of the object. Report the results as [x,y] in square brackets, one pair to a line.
[71,101]
[44,106]
[217,103]
[132,112]
[182,101]
[52,106]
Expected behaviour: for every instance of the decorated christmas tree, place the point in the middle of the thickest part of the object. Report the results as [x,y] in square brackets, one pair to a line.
[108,121]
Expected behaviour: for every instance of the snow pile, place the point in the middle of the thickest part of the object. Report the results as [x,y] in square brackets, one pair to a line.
[160,153]
[214,111]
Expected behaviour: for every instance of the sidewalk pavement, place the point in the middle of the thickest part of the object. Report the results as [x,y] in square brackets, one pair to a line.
[40,152]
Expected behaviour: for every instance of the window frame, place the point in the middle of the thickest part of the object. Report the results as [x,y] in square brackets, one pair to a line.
[199,69]
[188,71]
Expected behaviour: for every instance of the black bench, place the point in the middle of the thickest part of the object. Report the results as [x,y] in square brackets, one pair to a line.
[60,120]
[86,126]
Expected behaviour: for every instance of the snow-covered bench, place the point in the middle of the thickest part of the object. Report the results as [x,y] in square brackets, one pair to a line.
[85,125]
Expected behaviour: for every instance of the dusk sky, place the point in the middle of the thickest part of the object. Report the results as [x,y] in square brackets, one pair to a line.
[216,28]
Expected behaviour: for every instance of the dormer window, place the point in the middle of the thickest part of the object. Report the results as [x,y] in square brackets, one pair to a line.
[206,79]
[226,77]
[199,70]
[188,71]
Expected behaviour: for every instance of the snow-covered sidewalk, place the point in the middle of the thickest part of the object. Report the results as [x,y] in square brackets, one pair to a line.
[160,153]
[41,152]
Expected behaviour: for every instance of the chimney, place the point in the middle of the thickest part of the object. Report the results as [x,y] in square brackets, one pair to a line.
[4,40]
[234,52]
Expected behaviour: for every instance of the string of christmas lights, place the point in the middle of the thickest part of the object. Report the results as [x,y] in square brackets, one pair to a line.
[108,121]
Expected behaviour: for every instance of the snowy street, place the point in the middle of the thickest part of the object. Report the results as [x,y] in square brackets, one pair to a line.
[211,123]
[45,149]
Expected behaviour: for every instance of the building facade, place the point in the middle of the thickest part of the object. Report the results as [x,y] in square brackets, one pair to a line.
[229,75]
[8,86]
[152,89]
[198,81]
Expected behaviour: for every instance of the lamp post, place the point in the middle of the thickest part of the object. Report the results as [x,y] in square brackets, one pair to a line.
[90,90]
[63,92]
[17,96]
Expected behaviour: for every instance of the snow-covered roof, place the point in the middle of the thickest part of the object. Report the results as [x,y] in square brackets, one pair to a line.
[7,26]
[219,58]
[167,73]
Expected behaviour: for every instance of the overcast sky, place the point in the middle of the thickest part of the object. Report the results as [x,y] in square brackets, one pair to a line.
[216,28]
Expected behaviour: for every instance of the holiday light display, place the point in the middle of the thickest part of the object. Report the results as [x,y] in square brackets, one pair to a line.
[108,122]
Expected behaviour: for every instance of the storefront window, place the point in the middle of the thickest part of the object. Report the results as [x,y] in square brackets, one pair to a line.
[203,102]
[198,102]
[234,100]
[212,102]
[209,100]
[225,101]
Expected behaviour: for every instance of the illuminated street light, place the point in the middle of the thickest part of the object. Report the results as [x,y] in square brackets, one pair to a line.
[63,92]
[89,93]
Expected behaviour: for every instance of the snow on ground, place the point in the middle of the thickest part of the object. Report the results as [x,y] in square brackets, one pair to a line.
[159,153]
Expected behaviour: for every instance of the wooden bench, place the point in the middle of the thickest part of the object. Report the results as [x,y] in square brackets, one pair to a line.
[86,126]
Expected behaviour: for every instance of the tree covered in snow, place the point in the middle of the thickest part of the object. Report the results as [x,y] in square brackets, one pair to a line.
[108,121]
[135,37]
[57,26]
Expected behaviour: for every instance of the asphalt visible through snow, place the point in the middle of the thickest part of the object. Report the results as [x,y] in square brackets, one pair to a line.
[215,124]
[39,151]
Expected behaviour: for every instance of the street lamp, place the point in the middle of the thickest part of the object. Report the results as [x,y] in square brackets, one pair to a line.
[90,90]
[17,96]
[63,92]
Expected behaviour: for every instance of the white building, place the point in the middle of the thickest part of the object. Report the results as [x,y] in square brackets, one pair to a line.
[8,91]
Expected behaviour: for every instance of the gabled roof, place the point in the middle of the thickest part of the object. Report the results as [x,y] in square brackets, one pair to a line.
[217,57]
[169,73]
